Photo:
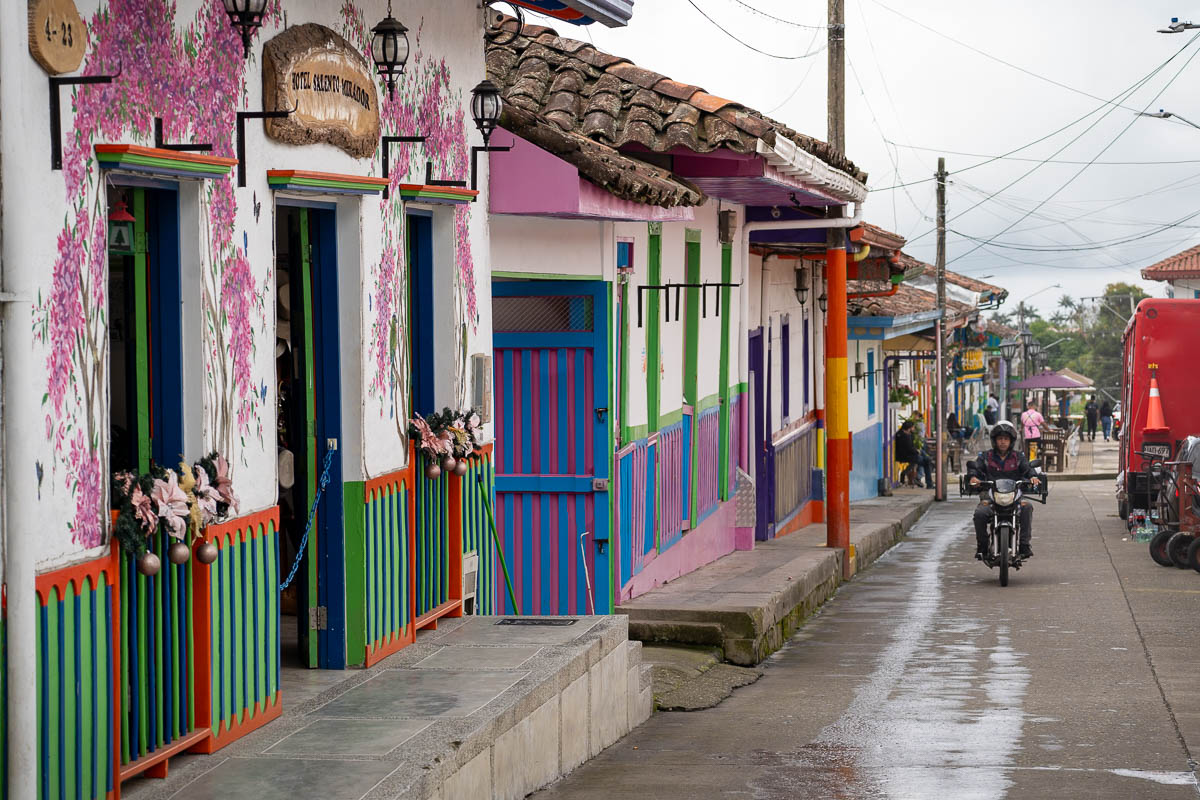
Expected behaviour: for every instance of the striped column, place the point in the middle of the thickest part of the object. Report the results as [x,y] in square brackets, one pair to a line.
[837,410]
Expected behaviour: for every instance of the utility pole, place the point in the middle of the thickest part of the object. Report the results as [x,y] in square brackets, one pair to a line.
[941,411]
[837,400]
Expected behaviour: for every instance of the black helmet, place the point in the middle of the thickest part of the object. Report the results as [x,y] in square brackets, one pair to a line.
[1005,427]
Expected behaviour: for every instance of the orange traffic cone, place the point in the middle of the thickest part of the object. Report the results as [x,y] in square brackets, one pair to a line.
[1155,422]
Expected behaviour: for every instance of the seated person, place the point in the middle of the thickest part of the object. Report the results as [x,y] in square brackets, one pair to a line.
[908,452]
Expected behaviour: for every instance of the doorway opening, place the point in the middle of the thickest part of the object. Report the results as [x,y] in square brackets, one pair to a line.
[308,430]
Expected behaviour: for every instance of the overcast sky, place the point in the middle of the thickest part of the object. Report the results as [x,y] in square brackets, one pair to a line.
[921,89]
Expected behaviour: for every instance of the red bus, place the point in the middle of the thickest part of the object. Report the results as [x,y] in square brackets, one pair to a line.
[1161,338]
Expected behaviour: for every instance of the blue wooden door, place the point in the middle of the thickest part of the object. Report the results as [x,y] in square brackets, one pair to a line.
[552,443]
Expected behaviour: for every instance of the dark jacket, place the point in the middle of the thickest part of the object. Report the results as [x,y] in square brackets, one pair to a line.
[990,466]
[1106,410]
[1092,410]
[906,451]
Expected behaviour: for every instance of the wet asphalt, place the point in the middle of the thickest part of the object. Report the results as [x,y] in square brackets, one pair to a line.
[924,679]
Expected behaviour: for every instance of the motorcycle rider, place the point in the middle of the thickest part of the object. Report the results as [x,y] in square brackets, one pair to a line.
[1002,461]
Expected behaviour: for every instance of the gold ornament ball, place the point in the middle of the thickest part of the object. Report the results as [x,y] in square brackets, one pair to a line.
[206,553]
[433,472]
[461,468]
[178,553]
[448,463]
[149,564]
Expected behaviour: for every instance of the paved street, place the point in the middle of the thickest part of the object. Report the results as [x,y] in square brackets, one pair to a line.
[925,679]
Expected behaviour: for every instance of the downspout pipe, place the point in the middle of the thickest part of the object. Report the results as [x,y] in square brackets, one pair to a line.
[837,408]
[17,489]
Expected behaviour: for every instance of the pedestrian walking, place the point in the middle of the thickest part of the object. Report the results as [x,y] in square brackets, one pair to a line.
[991,411]
[1093,417]
[1106,412]
[1032,424]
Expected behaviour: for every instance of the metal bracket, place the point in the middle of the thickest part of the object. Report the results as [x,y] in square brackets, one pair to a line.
[386,145]
[475,151]
[599,484]
[161,144]
[56,109]
[430,181]
[242,116]
[665,288]
[492,31]
[601,413]
[318,619]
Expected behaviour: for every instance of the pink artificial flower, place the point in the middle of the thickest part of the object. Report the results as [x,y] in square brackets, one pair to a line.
[224,485]
[125,481]
[143,510]
[207,496]
[473,421]
[172,505]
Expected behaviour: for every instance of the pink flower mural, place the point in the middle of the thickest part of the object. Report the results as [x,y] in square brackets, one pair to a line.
[193,79]
[425,104]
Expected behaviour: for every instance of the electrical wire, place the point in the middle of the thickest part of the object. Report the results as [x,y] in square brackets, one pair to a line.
[997,59]
[746,44]
[1111,107]
[762,13]
[803,78]
[1114,140]
[990,158]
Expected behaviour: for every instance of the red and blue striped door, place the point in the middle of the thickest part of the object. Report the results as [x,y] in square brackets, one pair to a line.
[552,444]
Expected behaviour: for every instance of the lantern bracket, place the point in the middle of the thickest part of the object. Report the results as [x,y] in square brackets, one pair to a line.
[475,151]
[387,142]
[56,109]
[242,116]
[430,181]
[161,144]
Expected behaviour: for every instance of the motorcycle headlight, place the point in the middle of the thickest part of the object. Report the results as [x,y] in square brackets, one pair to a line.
[1004,498]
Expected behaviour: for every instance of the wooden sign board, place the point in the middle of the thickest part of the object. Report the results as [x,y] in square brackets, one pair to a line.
[329,84]
[57,35]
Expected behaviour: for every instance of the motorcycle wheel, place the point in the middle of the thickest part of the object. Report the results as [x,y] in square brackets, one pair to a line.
[1193,554]
[1158,548]
[1005,536]
[1123,509]
[1177,549]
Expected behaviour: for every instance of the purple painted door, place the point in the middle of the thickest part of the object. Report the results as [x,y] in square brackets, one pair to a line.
[552,444]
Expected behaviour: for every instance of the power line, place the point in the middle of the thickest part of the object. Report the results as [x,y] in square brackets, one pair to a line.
[1112,105]
[997,59]
[1113,141]
[746,44]
[1048,160]
[762,13]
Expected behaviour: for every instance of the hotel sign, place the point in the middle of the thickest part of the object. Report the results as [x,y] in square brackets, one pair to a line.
[313,70]
[972,360]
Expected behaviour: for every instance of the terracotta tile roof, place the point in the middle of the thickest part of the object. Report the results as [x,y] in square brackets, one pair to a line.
[1179,266]
[1001,330]
[970,284]
[566,90]
[906,300]
[878,237]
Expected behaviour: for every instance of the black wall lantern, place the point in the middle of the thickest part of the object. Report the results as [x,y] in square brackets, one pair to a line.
[246,16]
[485,108]
[823,302]
[801,286]
[389,49]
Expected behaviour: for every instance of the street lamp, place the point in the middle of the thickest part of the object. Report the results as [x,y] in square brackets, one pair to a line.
[1161,114]
[802,287]
[1178,26]
[1026,337]
[1008,349]
[389,49]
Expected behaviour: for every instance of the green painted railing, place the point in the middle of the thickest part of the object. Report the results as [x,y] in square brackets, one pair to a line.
[432,542]
[388,554]
[157,676]
[75,682]
[477,538]
[237,642]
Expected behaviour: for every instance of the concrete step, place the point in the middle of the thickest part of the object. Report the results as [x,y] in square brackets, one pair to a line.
[750,602]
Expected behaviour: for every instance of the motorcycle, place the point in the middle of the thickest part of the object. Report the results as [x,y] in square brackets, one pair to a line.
[1004,527]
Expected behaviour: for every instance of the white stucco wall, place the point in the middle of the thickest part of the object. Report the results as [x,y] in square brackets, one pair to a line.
[446,63]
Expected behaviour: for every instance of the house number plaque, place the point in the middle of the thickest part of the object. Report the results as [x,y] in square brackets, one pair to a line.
[57,35]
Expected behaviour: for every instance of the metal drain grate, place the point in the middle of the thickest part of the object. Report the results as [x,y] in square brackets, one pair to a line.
[545,623]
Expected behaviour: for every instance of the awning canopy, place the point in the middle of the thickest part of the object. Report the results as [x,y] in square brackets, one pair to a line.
[613,13]
[1049,380]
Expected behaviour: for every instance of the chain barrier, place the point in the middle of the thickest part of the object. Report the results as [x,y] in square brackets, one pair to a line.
[312,514]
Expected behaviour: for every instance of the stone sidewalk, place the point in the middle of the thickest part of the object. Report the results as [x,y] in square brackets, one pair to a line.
[750,602]
[478,708]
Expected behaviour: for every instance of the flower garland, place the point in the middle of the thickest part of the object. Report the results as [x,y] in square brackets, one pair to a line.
[178,503]
[446,439]
[901,394]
